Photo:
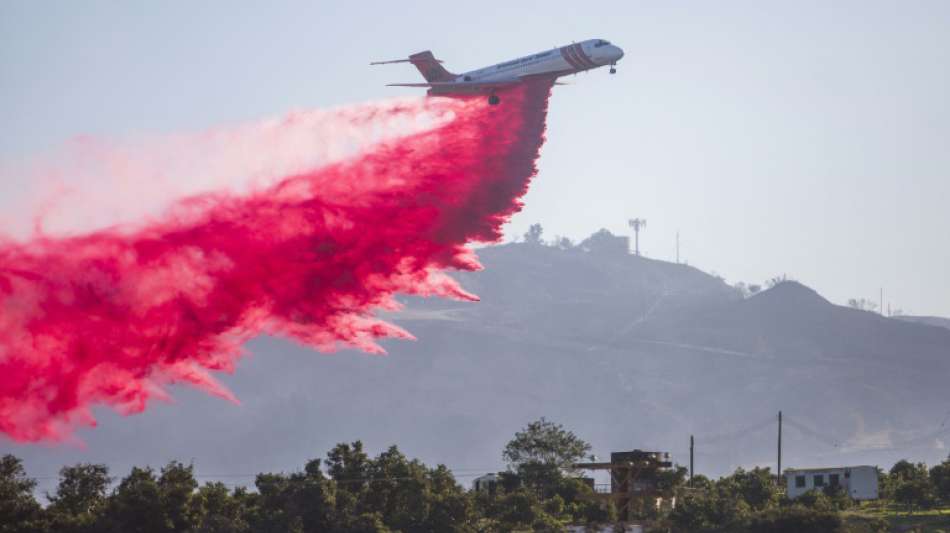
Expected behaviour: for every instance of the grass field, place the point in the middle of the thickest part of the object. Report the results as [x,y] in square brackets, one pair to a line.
[869,519]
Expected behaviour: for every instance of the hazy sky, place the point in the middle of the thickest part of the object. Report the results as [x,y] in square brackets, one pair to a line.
[807,138]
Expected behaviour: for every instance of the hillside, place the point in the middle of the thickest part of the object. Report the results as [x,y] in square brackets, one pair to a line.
[626,351]
[929,320]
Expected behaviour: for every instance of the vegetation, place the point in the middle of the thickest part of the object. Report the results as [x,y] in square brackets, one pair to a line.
[913,499]
[349,492]
[543,452]
[863,304]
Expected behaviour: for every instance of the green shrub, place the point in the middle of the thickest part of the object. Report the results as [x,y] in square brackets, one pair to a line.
[795,519]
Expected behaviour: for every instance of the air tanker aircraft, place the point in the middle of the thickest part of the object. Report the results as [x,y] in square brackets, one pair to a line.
[553,63]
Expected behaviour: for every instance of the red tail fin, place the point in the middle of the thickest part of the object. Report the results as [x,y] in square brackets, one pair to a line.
[430,67]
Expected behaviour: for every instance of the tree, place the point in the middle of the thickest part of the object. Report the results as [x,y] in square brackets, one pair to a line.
[302,502]
[411,497]
[269,507]
[450,508]
[910,484]
[837,496]
[777,280]
[135,506]
[707,511]
[80,497]
[348,465]
[862,304]
[395,492]
[604,242]
[815,499]
[543,450]
[914,493]
[522,510]
[563,243]
[726,504]
[756,487]
[220,510]
[940,477]
[701,482]
[579,505]
[533,235]
[19,510]
[176,486]
[902,469]
[670,481]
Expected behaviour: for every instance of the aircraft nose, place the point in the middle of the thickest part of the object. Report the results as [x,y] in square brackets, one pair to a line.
[617,53]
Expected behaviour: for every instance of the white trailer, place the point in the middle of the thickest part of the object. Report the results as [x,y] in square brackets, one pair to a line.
[859,482]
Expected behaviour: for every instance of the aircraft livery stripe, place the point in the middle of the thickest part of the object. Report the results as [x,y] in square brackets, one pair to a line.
[577,57]
[570,57]
[583,57]
[567,57]
[573,53]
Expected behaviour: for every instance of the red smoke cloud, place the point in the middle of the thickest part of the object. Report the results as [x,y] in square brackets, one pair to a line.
[112,316]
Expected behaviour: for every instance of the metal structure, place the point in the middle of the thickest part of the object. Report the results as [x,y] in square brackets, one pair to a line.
[637,224]
[634,481]
[691,446]
[778,473]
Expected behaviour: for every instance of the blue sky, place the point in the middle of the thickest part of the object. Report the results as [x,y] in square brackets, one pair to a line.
[808,138]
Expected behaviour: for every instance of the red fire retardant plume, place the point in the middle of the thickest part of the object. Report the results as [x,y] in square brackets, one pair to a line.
[111,317]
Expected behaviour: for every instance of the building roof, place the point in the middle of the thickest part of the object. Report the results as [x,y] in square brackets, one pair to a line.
[826,468]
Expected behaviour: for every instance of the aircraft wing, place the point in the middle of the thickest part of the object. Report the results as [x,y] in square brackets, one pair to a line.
[459,84]
[474,85]
[417,84]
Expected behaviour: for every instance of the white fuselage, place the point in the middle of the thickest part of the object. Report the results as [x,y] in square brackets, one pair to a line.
[548,65]
[569,59]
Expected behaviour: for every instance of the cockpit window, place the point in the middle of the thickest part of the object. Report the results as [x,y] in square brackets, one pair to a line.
[598,44]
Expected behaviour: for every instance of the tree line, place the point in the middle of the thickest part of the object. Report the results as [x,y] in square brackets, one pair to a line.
[749,501]
[350,491]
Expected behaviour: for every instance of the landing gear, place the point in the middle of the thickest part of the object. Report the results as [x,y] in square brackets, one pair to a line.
[613,69]
[493,99]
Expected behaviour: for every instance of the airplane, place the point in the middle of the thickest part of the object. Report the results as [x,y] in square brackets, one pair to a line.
[551,64]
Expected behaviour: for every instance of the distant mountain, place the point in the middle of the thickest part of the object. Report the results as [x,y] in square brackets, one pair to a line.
[626,351]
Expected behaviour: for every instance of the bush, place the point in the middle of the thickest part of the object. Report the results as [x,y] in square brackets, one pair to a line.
[940,477]
[815,500]
[711,511]
[795,519]
[915,493]
[866,524]
[838,497]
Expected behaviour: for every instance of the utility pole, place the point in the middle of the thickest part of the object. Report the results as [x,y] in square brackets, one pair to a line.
[779,476]
[882,301]
[677,247]
[690,461]
[636,224]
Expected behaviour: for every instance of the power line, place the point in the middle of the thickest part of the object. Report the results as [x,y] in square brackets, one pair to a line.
[738,433]
[811,432]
